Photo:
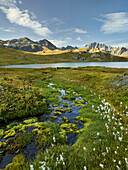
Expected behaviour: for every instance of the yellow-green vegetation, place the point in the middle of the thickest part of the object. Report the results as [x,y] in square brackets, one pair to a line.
[32,120]
[18,163]
[25,93]
[1,133]
[101,144]
[66,119]
[57,113]
[11,56]
[53,118]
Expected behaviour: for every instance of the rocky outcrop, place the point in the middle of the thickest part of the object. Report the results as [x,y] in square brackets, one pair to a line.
[47,44]
[120,51]
[68,48]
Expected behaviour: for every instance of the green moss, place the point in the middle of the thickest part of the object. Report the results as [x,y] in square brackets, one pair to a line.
[69,97]
[68,110]
[53,118]
[18,163]
[36,131]
[69,127]
[11,125]
[32,120]
[54,105]
[80,101]
[65,105]
[18,143]
[9,133]
[66,119]
[1,133]
[2,144]
[60,109]
[76,121]
[57,113]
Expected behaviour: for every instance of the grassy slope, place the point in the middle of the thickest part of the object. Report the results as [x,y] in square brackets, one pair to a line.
[11,56]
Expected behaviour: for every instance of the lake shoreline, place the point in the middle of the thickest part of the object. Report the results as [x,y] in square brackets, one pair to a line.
[71,65]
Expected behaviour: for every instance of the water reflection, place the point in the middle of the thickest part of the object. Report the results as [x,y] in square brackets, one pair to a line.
[72,65]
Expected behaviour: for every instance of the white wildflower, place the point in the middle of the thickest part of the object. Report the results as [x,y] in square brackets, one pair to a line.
[54,139]
[85,168]
[118,167]
[61,157]
[98,133]
[101,165]
[31,167]
[115,152]
[84,148]
[120,139]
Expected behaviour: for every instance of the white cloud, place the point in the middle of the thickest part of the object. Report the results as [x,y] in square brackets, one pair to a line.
[7,29]
[22,18]
[80,31]
[115,23]
[54,20]
[58,42]
[20,2]
[79,39]
[68,38]
[120,45]
[8,3]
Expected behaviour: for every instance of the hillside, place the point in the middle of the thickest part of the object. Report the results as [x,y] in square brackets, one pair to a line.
[12,56]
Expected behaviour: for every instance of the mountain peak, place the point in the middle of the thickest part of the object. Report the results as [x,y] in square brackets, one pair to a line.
[107,48]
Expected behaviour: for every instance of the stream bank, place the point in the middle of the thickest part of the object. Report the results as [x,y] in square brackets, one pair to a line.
[35,134]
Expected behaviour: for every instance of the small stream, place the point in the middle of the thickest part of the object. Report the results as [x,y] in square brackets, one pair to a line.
[32,149]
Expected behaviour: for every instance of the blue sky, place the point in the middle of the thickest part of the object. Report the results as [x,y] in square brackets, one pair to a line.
[66,22]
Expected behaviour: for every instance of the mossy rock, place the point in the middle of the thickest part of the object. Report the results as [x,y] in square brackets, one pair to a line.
[18,143]
[80,101]
[11,125]
[69,127]
[65,105]
[20,126]
[60,109]
[76,121]
[69,110]
[57,113]
[3,144]
[32,120]
[55,105]
[46,132]
[77,118]
[78,132]
[1,133]
[53,118]
[66,119]
[9,133]
[37,124]
[18,163]
[36,131]
[84,120]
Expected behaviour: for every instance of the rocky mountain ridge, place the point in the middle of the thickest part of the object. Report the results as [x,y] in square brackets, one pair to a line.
[26,44]
[120,51]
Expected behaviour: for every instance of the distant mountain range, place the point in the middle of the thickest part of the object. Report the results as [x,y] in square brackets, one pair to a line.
[26,44]
[120,51]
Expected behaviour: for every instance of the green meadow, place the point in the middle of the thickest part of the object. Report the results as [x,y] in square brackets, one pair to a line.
[101,143]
